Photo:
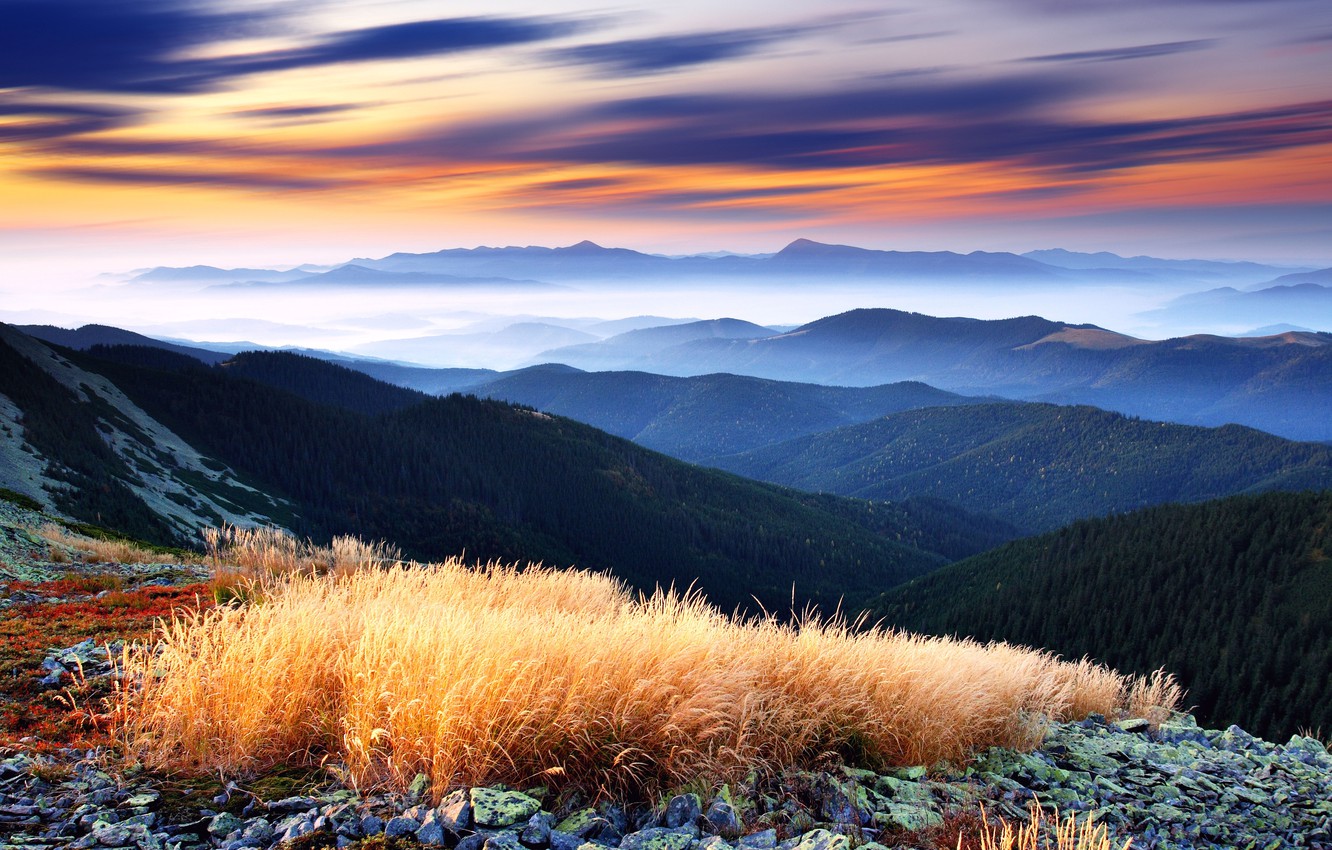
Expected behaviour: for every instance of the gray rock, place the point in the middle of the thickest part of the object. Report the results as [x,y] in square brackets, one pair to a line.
[400,826]
[258,832]
[293,827]
[431,832]
[536,834]
[475,841]
[291,805]
[455,811]
[565,841]
[721,815]
[682,810]
[372,825]
[224,824]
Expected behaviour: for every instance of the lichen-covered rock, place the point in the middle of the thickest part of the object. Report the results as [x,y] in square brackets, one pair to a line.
[911,817]
[657,838]
[818,839]
[224,824]
[506,840]
[763,840]
[576,823]
[498,809]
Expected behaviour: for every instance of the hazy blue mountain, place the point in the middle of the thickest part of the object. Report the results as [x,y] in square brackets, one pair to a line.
[212,274]
[89,335]
[626,350]
[353,275]
[1323,276]
[802,259]
[1306,302]
[694,418]
[1157,268]
[611,327]
[1281,384]
[1037,465]
[510,346]
[805,256]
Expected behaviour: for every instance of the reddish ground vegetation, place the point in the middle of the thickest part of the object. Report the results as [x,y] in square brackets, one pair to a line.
[45,719]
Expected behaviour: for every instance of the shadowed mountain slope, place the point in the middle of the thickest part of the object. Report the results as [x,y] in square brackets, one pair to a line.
[1233,596]
[461,474]
[1037,465]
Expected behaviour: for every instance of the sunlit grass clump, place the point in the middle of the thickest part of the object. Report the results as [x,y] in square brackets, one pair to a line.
[241,558]
[537,676]
[1047,830]
[93,550]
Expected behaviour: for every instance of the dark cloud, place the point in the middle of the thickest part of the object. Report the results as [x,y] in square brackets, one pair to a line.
[111,45]
[1018,119]
[577,184]
[173,177]
[142,46]
[294,113]
[56,120]
[673,52]
[409,40]
[1119,54]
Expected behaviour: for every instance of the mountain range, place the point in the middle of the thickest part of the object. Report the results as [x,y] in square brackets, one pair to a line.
[439,477]
[587,262]
[1300,297]
[1281,383]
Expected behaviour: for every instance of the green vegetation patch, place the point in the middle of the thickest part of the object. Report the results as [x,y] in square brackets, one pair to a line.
[21,500]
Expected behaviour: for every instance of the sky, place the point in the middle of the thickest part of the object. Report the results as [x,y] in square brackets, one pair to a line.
[145,132]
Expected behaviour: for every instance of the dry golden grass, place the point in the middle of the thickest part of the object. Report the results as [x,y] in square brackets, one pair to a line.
[94,551]
[1067,834]
[482,675]
[245,559]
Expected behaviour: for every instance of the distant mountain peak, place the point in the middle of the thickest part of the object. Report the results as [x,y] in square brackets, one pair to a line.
[587,246]
[809,246]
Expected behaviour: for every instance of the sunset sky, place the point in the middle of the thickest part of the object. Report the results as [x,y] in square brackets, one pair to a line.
[139,132]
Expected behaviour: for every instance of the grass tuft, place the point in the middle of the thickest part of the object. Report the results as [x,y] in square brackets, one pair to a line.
[103,549]
[244,560]
[564,678]
[1043,830]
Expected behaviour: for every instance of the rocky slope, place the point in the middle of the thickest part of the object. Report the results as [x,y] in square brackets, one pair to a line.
[57,423]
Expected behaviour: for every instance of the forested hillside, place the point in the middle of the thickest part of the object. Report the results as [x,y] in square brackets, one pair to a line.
[1233,596]
[320,381]
[1037,465]
[496,481]
[698,417]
